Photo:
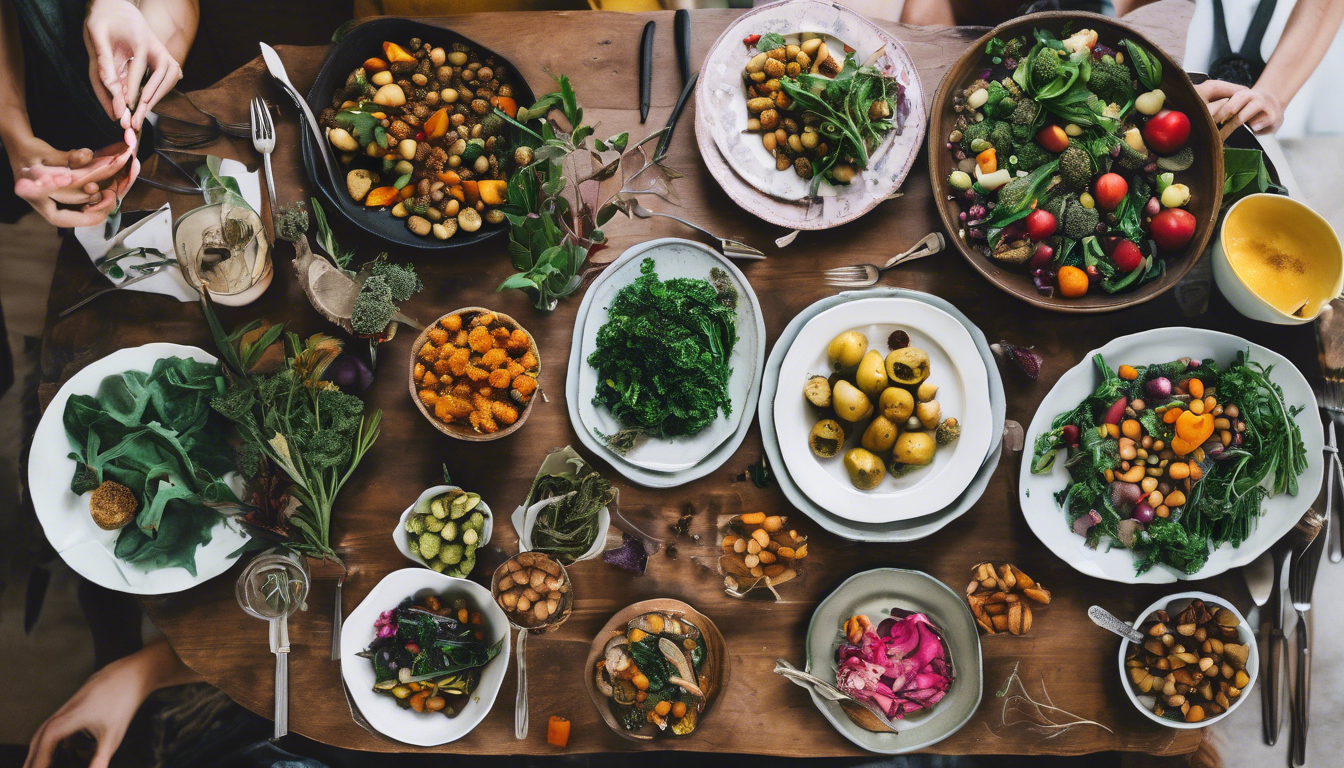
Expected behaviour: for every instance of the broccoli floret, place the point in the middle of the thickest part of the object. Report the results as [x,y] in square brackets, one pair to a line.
[429,545]
[1045,67]
[416,524]
[975,131]
[1015,48]
[1079,222]
[401,278]
[1025,113]
[1075,166]
[373,308]
[1001,137]
[1053,201]
[291,222]
[1000,102]
[1130,158]
[1110,80]
[1031,155]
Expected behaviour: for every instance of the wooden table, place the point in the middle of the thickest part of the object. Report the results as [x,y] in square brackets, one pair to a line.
[759,712]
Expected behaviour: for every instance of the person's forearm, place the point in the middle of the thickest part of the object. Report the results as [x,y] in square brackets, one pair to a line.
[1306,37]
[174,22]
[14,127]
[163,668]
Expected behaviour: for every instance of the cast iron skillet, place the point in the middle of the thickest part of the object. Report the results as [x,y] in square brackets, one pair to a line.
[1205,178]
[362,42]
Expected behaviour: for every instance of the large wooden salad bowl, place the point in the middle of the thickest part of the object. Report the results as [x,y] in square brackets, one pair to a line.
[1205,177]
[715,667]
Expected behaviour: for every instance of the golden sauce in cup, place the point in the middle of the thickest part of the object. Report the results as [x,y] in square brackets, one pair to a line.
[1283,252]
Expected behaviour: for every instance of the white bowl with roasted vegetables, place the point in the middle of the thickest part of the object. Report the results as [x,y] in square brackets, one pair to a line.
[1198,663]
[444,517]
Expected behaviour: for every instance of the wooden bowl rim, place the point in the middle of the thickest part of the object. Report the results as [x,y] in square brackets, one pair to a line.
[465,433]
[663,605]
[1003,279]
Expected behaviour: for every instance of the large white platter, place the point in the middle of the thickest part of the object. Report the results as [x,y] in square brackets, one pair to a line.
[963,393]
[422,729]
[1162,345]
[781,196]
[65,517]
[673,461]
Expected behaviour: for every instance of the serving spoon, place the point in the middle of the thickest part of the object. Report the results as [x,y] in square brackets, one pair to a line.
[864,714]
[1110,622]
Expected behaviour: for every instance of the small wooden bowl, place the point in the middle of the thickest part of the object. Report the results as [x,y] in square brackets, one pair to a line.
[1205,177]
[464,431]
[715,667]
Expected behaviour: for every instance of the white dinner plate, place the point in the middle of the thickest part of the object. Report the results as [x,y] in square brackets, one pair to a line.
[422,729]
[672,258]
[65,518]
[963,392]
[1162,345]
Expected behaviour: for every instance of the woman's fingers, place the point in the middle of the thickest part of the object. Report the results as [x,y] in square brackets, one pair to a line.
[48,736]
[1212,90]
[104,97]
[1232,106]
[135,76]
[148,95]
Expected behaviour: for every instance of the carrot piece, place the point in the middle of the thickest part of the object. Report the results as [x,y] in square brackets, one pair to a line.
[381,196]
[1196,388]
[374,64]
[1171,415]
[472,191]
[557,731]
[407,191]
[506,105]
[493,191]
[457,193]
[450,178]
[988,161]
[395,53]
[436,125]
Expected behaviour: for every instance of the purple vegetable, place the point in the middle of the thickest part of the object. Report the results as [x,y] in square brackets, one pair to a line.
[1153,207]
[1043,284]
[1069,433]
[1026,360]
[1116,412]
[901,666]
[1084,523]
[630,555]
[1125,495]
[1143,513]
[985,74]
[349,373]
[1115,151]
[1158,387]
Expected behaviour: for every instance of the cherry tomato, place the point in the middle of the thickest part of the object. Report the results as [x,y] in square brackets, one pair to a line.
[1053,138]
[1040,224]
[1111,189]
[1127,256]
[1172,228]
[1166,132]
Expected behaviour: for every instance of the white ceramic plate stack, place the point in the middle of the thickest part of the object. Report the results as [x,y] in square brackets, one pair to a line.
[658,462]
[65,519]
[739,162]
[970,389]
[1279,512]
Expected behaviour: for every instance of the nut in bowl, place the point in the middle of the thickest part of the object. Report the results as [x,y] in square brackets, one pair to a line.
[534,591]
[1198,663]
[474,374]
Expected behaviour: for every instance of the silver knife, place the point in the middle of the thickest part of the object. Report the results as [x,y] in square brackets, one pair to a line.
[277,70]
[1272,693]
[1303,582]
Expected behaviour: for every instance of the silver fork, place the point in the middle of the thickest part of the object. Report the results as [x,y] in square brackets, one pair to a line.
[263,140]
[1330,398]
[731,248]
[150,273]
[865,275]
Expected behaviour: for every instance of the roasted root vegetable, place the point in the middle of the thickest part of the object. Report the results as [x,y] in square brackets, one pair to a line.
[557,731]
[995,596]
[759,552]
[484,370]
[1191,663]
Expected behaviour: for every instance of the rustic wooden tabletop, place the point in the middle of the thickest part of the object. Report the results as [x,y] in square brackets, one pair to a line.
[759,712]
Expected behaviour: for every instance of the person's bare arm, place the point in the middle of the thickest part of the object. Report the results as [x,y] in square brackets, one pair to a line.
[1123,7]
[928,13]
[1310,30]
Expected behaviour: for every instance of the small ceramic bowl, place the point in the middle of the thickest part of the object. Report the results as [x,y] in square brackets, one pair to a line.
[455,429]
[1174,604]
[525,518]
[421,506]
[526,562]
[1242,296]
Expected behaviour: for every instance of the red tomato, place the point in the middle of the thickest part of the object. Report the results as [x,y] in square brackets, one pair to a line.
[1040,224]
[1111,188]
[1167,131]
[1053,138]
[1042,256]
[1172,228]
[1126,256]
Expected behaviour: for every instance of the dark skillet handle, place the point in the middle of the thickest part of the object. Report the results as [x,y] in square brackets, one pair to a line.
[645,71]
[1273,691]
[682,31]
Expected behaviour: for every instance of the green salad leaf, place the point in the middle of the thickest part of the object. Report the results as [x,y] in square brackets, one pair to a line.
[156,434]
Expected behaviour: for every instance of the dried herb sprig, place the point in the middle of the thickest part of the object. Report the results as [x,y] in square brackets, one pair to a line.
[567,528]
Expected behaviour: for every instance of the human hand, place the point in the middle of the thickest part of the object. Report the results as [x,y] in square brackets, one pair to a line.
[122,47]
[1236,105]
[49,179]
[103,707]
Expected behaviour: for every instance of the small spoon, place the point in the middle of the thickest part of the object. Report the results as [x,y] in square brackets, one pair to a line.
[1109,621]
[865,714]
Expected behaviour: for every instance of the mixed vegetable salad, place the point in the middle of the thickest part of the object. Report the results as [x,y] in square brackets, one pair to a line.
[1173,460]
[1066,163]
[902,665]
